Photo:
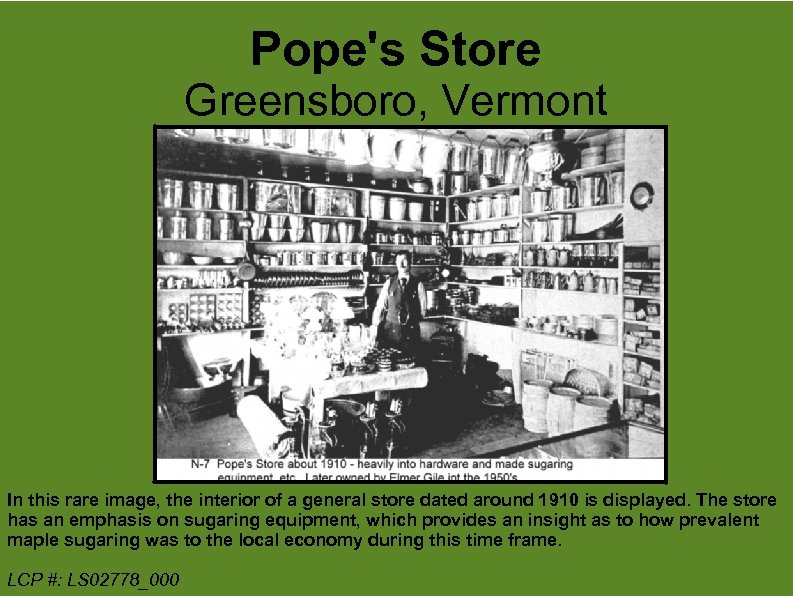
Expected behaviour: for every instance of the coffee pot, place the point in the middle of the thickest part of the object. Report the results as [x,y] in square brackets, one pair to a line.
[552,256]
[559,282]
[589,283]
[572,282]
[564,257]
[600,285]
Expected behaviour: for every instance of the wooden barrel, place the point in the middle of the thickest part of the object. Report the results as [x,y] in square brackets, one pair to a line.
[561,408]
[591,411]
[535,406]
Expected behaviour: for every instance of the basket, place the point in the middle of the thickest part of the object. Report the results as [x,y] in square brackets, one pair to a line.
[588,382]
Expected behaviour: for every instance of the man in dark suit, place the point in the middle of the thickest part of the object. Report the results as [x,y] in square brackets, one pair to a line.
[400,307]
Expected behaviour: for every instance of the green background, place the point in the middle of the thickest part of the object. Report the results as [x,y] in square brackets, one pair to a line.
[82,86]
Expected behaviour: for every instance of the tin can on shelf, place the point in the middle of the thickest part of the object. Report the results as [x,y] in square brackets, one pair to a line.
[459,184]
[200,194]
[202,228]
[225,229]
[169,193]
[614,255]
[590,255]
[578,255]
[178,227]
[227,197]
[471,209]
[603,254]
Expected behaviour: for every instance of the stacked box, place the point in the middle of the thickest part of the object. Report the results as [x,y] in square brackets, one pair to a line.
[636,285]
[642,342]
[633,378]
[634,404]
[630,364]
[645,370]
[652,411]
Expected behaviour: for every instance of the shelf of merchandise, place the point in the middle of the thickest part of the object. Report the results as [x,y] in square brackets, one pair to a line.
[194,267]
[405,246]
[479,285]
[658,359]
[406,222]
[603,270]
[564,242]
[486,221]
[310,216]
[574,210]
[307,245]
[501,188]
[231,290]
[495,245]
[189,210]
[605,168]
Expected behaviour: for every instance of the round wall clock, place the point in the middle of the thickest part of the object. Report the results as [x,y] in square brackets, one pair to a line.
[642,195]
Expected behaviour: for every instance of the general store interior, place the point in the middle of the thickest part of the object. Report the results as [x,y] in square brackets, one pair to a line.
[542,252]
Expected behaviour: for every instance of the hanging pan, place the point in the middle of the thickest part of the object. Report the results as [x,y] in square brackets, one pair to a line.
[246,270]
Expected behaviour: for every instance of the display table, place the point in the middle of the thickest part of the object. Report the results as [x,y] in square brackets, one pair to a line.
[294,377]
[380,383]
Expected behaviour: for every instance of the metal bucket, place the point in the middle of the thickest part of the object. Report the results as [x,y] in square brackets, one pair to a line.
[540,230]
[539,201]
[377,207]
[460,160]
[227,197]
[201,194]
[202,228]
[324,141]
[279,137]
[484,211]
[169,192]
[396,208]
[500,205]
[415,211]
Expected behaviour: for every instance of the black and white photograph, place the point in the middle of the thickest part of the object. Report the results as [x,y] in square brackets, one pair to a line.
[395,304]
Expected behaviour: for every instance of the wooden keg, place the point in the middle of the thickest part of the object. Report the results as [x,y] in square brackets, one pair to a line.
[591,411]
[535,405]
[561,408]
